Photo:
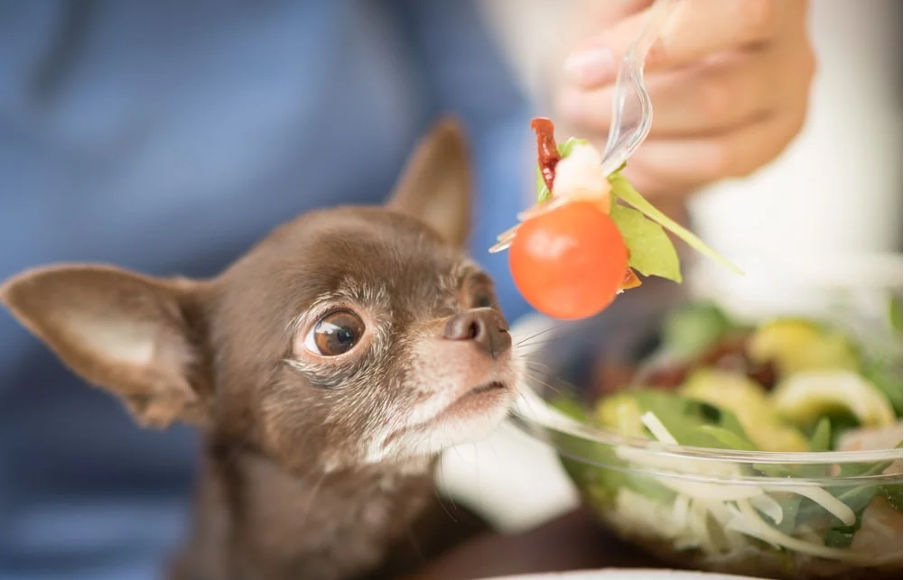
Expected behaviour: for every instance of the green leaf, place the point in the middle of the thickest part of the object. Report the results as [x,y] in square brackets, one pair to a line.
[623,190]
[841,536]
[543,193]
[886,379]
[651,250]
[821,439]
[565,148]
[790,503]
[892,492]
[570,407]
[600,473]
[690,422]
[728,439]
[692,329]
[896,314]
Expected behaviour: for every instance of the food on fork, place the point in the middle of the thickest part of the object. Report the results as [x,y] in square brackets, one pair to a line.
[589,235]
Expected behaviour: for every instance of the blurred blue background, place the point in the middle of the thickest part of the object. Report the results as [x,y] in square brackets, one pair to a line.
[167,137]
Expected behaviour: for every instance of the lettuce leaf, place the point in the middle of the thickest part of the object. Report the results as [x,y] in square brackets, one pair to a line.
[623,190]
[543,193]
[690,421]
[691,329]
[565,148]
[896,314]
[650,250]
[821,439]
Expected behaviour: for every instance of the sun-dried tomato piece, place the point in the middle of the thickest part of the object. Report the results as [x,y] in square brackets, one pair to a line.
[547,154]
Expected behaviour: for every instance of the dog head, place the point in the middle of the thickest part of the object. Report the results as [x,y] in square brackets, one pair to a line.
[348,336]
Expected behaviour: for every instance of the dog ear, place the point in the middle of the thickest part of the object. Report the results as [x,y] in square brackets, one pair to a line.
[435,186]
[135,335]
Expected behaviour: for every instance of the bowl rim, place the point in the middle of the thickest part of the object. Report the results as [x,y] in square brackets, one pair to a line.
[555,421]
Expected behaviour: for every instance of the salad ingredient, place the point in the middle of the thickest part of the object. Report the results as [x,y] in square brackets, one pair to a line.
[652,252]
[689,421]
[624,191]
[718,398]
[572,173]
[691,330]
[547,153]
[807,396]
[579,175]
[748,401]
[800,345]
[880,529]
[569,262]
[871,438]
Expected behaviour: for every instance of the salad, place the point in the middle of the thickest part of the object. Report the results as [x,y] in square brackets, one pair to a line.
[589,234]
[783,385]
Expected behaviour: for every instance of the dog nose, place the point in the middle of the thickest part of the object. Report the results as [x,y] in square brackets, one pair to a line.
[484,326]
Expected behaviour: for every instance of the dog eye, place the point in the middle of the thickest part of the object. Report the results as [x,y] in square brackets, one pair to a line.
[335,334]
[483,299]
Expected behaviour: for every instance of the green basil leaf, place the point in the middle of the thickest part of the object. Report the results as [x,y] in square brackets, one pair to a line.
[650,249]
[565,148]
[622,189]
[821,439]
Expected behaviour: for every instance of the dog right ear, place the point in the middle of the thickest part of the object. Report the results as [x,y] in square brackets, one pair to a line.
[435,186]
[137,336]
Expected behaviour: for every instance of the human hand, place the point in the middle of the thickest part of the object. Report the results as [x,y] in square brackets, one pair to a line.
[729,81]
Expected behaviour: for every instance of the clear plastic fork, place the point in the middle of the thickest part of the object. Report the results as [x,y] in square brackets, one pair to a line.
[632,110]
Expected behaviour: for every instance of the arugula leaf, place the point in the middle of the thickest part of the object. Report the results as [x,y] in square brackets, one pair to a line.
[856,497]
[729,439]
[842,536]
[896,314]
[790,503]
[690,421]
[565,148]
[570,407]
[892,492]
[622,189]
[821,439]
[691,329]
[598,471]
[650,250]
[886,380]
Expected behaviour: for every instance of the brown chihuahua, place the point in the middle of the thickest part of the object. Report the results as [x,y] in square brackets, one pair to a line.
[326,369]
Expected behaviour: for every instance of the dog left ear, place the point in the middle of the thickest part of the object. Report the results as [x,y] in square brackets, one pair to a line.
[435,186]
[135,335]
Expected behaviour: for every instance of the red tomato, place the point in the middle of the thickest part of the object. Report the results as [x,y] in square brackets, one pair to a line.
[570,261]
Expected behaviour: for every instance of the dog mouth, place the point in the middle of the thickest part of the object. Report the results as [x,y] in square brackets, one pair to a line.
[484,388]
[481,398]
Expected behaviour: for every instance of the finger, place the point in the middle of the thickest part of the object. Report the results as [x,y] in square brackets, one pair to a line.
[697,29]
[607,13]
[692,162]
[587,67]
[703,100]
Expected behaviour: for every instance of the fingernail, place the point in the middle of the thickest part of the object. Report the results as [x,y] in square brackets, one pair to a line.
[590,67]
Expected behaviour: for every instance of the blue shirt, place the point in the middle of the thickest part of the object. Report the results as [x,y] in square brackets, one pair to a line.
[167,137]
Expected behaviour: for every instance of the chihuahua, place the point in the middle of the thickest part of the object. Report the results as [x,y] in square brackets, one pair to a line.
[326,369]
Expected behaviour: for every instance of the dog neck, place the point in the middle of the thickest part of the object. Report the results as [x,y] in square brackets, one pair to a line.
[256,520]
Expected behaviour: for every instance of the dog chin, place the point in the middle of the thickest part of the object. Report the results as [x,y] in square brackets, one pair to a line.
[469,418]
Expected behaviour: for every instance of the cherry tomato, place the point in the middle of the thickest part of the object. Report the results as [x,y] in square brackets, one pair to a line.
[570,261]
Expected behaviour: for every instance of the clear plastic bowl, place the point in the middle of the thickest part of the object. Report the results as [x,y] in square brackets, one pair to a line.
[722,510]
